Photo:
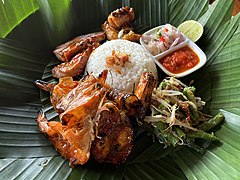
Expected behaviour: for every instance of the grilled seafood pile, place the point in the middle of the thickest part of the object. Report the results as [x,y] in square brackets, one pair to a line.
[118,25]
[94,117]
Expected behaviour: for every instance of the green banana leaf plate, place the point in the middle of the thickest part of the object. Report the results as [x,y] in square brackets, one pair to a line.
[30,30]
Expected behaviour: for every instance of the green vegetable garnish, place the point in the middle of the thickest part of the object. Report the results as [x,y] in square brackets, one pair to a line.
[158,33]
[176,115]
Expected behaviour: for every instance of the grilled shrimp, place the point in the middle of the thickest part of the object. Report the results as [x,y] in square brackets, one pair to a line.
[57,91]
[67,51]
[145,88]
[73,143]
[94,117]
[83,100]
[114,138]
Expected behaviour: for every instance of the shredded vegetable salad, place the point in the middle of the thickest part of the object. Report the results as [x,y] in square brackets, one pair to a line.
[165,38]
[176,116]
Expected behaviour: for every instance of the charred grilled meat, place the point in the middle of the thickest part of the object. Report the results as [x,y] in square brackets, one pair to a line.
[114,135]
[75,54]
[144,92]
[121,17]
[74,67]
[145,88]
[127,102]
[68,50]
[118,25]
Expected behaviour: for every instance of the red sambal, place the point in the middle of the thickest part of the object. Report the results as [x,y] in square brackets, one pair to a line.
[180,60]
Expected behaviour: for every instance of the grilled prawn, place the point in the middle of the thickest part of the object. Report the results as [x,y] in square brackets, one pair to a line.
[59,90]
[73,143]
[73,136]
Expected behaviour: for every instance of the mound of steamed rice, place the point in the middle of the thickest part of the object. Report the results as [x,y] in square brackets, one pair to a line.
[140,61]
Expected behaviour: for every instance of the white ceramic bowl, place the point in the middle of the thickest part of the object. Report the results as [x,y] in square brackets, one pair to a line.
[186,42]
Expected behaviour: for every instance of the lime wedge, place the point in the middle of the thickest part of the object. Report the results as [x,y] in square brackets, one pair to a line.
[192,29]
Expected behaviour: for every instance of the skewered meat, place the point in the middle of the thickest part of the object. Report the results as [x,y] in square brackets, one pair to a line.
[110,31]
[145,88]
[114,139]
[144,93]
[127,102]
[121,17]
[118,25]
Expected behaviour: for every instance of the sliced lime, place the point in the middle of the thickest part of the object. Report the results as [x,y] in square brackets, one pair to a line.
[192,29]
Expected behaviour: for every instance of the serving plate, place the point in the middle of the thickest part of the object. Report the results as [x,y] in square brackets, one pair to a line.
[26,154]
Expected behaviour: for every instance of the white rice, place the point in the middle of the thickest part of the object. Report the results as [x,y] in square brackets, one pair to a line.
[140,61]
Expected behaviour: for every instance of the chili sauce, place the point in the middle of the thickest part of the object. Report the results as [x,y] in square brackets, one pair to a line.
[180,61]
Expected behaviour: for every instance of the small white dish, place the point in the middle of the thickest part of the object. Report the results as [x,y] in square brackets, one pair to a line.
[186,42]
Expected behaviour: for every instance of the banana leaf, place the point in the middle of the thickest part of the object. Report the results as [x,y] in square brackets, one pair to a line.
[12,13]
[31,30]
